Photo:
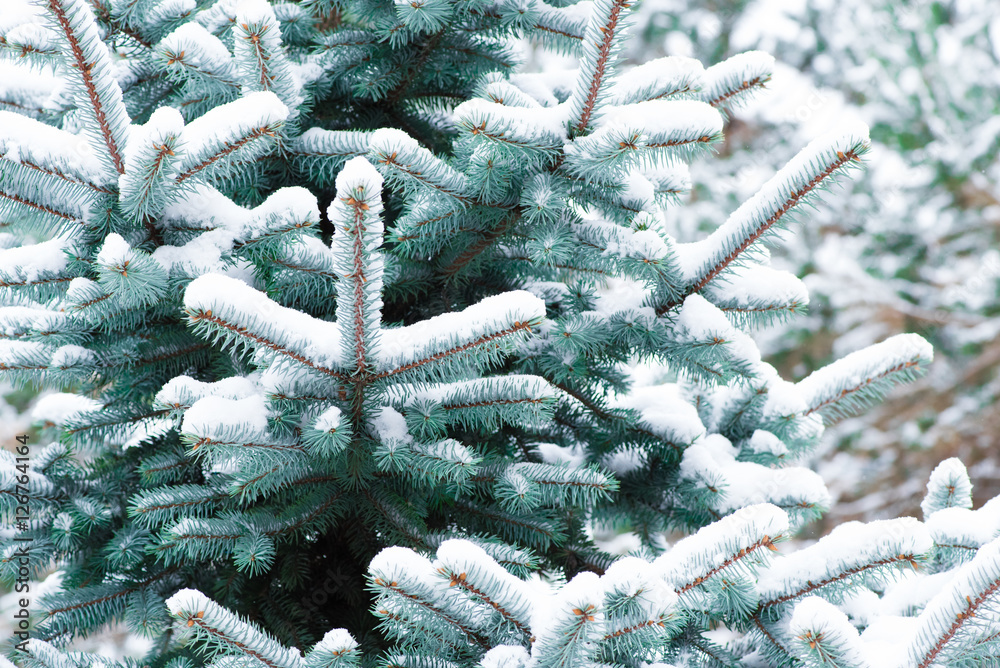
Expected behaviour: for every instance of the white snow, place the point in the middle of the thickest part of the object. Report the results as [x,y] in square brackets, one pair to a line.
[658,78]
[412,156]
[910,595]
[691,557]
[358,172]
[886,637]
[211,415]
[828,627]
[390,425]
[336,641]
[640,581]
[71,355]
[713,458]
[573,456]
[849,546]
[964,526]
[329,420]
[505,656]
[684,118]
[664,410]
[23,139]
[30,264]
[752,283]
[145,141]
[951,478]
[183,391]
[61,407]
[201,255]
[763,441]
[699,320]
[482,322]
[862,366]
[741,68]
[228,123]
[512,593]
[114,252]
[234,300]
[583,592]
[394,560]
[187,603]
[513,385]
[208,44]
[539,126]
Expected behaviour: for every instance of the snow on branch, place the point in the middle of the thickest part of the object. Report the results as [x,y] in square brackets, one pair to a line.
[468,567]
[708,346]
[447,344]
[410,166]
[232,313]
[485,403]
[602,41]
[28,41]
[666,413]
[132,276]
[761,216]
[418,608]
[322,153]
[824,637]
[849,557]
[192,53]
[855,381]
[711,468]
[39,270]
[148,183]
[52,151]
[239,131]
[962,615]
[949,487]
[568,630]
[756,295]
[659,79]
[181,392]
[732,82]
[91,75]
[260,57]
[221,632]
[744,540]
[356,213]
[642,134]
[337,649]
[535,134]
[562,28]
[959,532]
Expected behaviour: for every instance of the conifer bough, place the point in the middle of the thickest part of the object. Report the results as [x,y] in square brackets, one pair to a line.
[419,401]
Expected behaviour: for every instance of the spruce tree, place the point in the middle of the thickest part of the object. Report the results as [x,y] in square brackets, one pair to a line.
[335,299]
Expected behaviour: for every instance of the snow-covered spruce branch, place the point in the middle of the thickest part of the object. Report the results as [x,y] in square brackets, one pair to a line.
[602,40]
[97,93]
[855,381]
[760,217]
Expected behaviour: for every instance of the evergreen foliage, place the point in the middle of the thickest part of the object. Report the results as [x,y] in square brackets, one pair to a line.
[431,387]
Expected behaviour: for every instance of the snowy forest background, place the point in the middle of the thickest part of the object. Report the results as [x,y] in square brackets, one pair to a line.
[908,246]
